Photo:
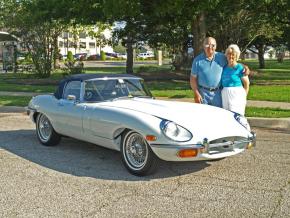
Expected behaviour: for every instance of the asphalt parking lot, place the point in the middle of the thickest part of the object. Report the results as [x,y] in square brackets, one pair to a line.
[77,179]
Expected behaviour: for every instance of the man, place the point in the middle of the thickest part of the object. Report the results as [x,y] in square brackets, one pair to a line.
[206,72]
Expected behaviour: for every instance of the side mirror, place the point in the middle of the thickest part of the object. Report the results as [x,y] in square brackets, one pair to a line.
[71,98]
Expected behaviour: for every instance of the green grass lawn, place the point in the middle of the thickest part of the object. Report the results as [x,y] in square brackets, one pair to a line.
[181,89]
[269,64]
[21,101]
[267,112]
[12,87]
[274,72]
[105,70]
[277,93]
[122,69]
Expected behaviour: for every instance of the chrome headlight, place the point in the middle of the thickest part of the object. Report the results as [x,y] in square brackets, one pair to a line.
[174,131]
[243,121]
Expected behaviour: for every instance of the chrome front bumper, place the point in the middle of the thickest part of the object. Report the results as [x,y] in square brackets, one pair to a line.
[205,150]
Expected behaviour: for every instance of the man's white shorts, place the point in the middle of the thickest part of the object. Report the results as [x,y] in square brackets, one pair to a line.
[234,99]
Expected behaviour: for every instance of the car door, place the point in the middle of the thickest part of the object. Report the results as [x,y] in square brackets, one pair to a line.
[70,111]
[93,119]
[98,125]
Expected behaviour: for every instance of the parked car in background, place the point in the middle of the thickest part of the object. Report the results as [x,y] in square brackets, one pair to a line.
[94,57]
[117,111]
[111,55]
[122,55]
[145,55]
[80,56]
[63,57]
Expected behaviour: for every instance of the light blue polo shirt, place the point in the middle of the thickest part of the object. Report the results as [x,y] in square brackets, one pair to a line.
[208,72]
[231,76]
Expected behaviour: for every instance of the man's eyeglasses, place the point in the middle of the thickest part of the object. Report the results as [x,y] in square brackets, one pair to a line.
[209,46]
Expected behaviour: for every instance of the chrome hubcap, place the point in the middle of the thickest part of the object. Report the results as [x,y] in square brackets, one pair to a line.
[136,150]
[44,128]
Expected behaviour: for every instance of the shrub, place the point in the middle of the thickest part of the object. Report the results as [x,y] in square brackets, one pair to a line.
[74,67]
[70,56]
[28,58]
[92,58]
[82,58]
[103,56]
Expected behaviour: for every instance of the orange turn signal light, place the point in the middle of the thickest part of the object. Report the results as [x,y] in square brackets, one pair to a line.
[151,137]
[188,153]
[250,145]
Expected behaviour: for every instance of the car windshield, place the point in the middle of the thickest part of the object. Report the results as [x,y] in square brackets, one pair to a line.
[114,88]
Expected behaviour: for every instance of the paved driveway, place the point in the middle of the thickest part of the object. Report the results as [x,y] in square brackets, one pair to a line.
[77,179]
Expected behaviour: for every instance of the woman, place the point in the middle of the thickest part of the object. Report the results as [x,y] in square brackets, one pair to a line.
[235,83]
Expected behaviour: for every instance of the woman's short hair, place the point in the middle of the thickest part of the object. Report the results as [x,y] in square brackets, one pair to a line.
[235,49]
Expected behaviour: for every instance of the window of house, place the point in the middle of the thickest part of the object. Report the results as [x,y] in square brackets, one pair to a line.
[92,45]
[60,44]
[83,45]
[65,35]
[83,35]
[71,44]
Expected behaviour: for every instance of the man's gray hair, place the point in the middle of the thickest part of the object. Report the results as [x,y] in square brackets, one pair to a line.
[236,50]
[205,41]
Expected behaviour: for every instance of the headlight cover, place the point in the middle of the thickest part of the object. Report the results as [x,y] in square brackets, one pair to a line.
[243,121]
[174,131]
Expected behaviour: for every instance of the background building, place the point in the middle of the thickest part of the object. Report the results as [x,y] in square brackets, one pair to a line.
[8,45]
[82,43]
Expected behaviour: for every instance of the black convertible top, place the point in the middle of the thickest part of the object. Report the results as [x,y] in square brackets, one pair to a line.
[83,77]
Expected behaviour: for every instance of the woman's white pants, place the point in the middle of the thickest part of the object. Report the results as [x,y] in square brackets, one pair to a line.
[234,99]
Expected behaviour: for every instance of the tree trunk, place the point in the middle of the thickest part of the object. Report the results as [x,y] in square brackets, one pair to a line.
[261,52]
[129,62]
[199,33]
[55,53]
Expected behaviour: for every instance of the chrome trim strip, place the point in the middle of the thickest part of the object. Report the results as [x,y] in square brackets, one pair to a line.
[207,145]
[228,143]
[170,146]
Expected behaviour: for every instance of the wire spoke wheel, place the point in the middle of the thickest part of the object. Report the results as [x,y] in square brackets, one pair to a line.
[137,155]
[45,131]
[136,150]
[44,128]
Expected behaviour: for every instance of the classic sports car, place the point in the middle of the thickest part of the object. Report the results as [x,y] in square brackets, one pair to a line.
[117,111]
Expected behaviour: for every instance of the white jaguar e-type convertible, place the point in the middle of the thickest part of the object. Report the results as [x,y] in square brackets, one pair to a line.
[117,111]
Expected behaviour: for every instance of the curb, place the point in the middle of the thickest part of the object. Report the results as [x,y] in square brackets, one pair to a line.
[12,109]
[272,123]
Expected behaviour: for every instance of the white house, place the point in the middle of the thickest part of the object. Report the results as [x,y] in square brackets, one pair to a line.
[82,43]
[269,53]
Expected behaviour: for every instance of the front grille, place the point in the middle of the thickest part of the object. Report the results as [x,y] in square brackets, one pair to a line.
[227,144]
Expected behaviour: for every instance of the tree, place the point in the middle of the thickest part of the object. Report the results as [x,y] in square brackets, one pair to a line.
[267,26]
[27,19]
[248,23]
[97,31]
[119,48]
[128,12]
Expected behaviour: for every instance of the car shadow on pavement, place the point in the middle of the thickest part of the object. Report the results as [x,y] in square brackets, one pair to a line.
[85,159]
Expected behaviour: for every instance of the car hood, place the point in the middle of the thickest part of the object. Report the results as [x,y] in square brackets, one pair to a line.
[197,118]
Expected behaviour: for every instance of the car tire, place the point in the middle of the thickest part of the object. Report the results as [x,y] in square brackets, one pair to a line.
[137,155]
[45,132]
